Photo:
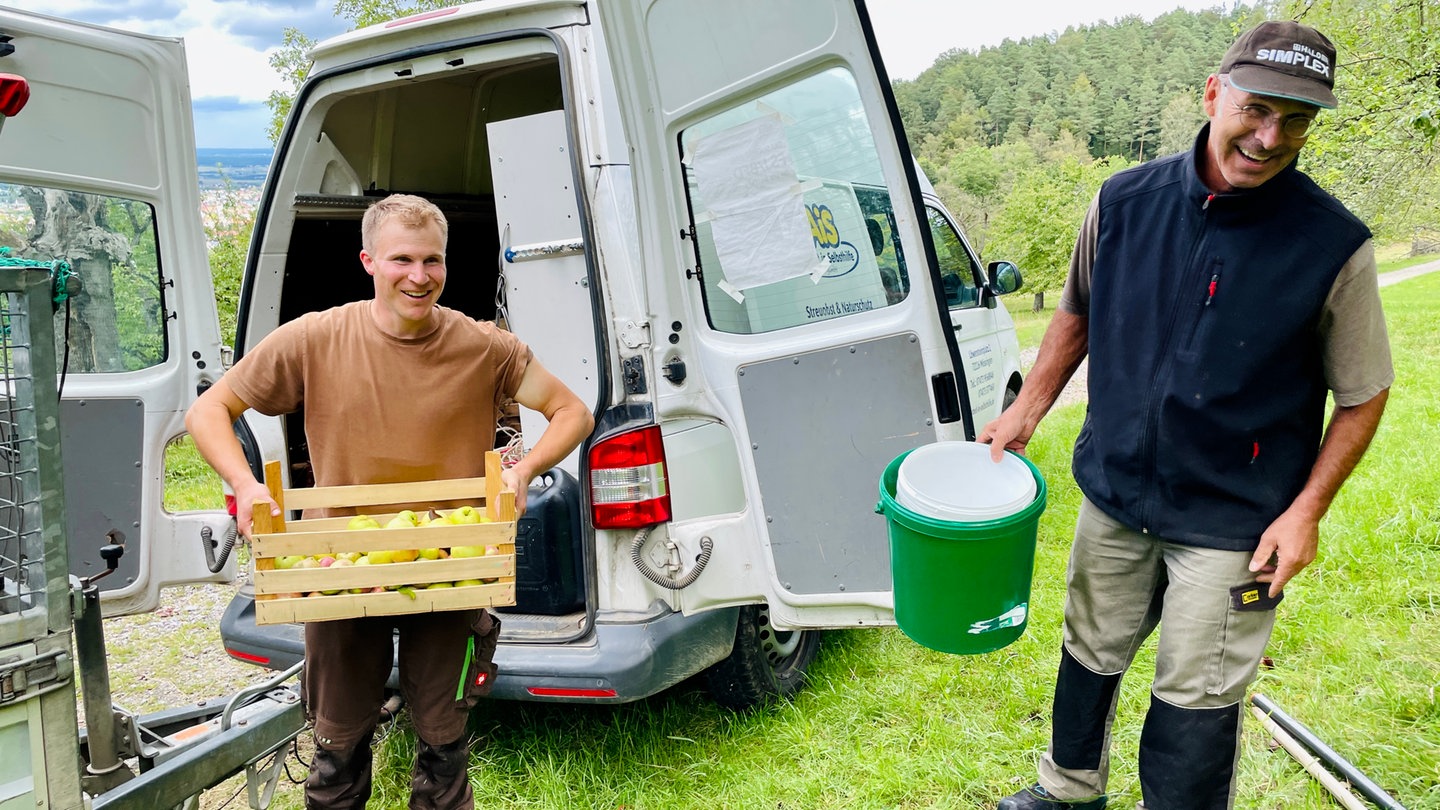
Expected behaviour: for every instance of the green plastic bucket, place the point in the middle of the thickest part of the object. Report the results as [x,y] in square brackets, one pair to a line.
[961,588]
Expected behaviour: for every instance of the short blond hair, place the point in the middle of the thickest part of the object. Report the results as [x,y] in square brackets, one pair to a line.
[410,210]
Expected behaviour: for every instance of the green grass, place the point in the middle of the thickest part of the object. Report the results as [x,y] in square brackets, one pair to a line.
[190,483]
[885,723]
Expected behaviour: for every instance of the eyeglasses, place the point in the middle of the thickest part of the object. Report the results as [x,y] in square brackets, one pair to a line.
[1255,116]
[1258,116]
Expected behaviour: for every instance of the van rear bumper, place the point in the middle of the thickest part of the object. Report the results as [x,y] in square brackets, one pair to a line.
[617,663]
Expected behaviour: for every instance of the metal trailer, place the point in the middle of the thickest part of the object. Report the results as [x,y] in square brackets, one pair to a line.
[119,760]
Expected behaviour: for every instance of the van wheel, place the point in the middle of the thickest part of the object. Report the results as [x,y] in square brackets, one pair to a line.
[1012,392]
[766,664]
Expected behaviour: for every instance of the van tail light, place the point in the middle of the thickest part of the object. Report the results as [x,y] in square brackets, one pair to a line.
[628,485]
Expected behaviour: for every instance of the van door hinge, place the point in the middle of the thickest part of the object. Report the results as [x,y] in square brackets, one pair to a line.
[633,372]
[634,335]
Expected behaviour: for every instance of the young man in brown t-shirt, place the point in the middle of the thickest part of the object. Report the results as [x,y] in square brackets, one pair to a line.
[395,388]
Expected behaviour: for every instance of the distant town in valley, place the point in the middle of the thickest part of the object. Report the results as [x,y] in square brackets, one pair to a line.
[237,168]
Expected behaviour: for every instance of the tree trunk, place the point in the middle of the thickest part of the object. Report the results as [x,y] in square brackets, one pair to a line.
[71,226]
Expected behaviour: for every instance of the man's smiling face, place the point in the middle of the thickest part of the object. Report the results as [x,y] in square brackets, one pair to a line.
[1238,154]
[409,269]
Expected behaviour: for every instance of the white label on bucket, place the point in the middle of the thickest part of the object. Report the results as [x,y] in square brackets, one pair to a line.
[1010,618]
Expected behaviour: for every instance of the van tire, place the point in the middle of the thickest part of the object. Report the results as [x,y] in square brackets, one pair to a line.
[765,665]
[1012,393]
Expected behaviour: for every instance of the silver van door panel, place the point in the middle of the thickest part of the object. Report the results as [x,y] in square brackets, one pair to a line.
[817,474]
[108,130]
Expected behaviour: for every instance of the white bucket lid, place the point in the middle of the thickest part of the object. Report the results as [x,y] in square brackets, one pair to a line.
[957,481]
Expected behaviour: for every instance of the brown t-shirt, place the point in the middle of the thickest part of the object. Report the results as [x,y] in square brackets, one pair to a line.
[380,409]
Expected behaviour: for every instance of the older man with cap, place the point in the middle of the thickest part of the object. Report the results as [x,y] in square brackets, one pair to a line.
[1220,295]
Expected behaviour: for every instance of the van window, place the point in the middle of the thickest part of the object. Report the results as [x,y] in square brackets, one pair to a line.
[793,221]
[959,271]
[114,317]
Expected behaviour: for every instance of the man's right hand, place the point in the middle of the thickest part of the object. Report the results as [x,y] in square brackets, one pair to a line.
[1009,431]
[256,494]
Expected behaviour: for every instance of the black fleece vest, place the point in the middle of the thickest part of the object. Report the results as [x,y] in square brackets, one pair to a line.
[1207,394]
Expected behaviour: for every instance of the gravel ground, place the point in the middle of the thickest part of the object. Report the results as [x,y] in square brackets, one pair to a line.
[173,657]
[1074,390]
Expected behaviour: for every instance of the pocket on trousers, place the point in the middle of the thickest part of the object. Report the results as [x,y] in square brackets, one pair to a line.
[477,678]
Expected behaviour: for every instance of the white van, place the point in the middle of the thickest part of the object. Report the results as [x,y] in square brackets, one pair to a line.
[702,217]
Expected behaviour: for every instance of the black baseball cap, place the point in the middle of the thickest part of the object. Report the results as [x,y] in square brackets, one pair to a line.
[1283,59]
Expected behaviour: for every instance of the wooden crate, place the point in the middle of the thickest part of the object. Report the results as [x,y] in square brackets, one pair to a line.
[274,538]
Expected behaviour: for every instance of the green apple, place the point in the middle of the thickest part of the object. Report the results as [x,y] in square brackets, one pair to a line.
[288,561]
[464,514]
[467,551]
[432,586]
[380,557]
[404,519]
[465,583]
[431,553]
[362,522]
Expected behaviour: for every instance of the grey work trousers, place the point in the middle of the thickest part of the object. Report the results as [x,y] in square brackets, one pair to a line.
[1121,584]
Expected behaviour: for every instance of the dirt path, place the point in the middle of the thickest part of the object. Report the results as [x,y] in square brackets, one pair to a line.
[1396,276]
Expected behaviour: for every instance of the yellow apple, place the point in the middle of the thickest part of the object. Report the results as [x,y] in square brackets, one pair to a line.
[430,553]
[404,555]
[380,557]
[467,551]
[432,586]
[362,522]
[464,583]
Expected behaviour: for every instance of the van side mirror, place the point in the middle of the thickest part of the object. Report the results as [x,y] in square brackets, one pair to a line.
[1003,278]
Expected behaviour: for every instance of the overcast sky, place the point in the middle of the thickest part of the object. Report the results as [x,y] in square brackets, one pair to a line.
[228,41]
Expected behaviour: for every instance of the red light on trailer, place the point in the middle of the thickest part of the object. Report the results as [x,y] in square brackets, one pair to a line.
[14,92]
[629,488]
[548,691]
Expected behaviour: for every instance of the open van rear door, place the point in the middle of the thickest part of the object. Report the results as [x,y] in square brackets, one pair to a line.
[781,223]
[98,171]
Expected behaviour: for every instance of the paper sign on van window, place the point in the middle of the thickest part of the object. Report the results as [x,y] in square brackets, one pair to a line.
[746,181]
[851,281]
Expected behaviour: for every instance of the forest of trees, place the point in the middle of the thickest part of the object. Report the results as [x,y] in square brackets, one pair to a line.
[1018,137]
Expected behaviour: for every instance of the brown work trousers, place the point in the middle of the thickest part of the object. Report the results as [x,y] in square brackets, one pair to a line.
[446,666]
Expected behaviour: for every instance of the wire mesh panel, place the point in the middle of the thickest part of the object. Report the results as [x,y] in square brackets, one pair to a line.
[33,580]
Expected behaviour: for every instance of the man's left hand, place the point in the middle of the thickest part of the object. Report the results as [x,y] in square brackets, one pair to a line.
[520,484]
[1286,547]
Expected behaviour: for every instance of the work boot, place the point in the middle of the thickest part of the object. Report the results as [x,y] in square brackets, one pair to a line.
[440,780]
[1036,797]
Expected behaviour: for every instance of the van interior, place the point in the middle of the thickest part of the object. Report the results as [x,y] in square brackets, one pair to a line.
[380,130]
